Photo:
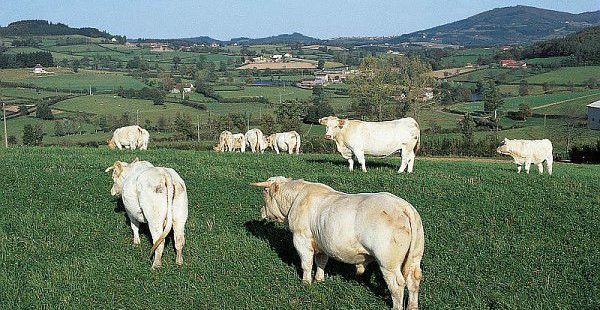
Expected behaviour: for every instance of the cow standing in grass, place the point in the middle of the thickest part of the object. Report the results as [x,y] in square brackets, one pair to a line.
[239,142]
[526,152]
[355,138]
[353,228]
[285,142]
[256,140]
[225,142]
[129,137]
[153,195]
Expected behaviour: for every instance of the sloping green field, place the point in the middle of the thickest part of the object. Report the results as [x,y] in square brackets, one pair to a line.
[494,239]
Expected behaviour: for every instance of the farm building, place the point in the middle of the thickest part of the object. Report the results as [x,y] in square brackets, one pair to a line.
[39,69]
[593,114]
[186,87]
[510,63]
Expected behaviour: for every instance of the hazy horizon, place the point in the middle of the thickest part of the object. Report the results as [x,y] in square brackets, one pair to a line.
[237,18]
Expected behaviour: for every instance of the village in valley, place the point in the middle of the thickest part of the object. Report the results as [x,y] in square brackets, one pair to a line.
[447,121]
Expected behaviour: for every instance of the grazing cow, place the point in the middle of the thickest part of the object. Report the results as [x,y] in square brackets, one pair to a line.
[239,142]
[255,140]
[284,141]
[357,138]
[153,195]
[353,228]
[129,137]
[526,152]
[225,142]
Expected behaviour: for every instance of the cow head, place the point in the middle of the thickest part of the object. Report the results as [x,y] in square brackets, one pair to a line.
[334,126]
[111,144]
[271,191]
[118,169]
[504,147]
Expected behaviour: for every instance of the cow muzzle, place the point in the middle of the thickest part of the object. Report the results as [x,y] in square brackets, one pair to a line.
[328,137]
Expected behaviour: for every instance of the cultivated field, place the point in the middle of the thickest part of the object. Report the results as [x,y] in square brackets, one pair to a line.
[493,239]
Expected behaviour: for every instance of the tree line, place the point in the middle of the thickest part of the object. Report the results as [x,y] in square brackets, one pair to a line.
[26,60]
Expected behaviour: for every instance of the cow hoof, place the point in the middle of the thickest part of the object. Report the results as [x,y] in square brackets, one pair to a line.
[155,266]
[179,262]
[319,280]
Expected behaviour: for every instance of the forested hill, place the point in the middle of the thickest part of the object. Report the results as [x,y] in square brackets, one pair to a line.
[508,25]
[45,28]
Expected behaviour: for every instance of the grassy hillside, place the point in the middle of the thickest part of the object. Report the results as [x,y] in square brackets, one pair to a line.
[494,239]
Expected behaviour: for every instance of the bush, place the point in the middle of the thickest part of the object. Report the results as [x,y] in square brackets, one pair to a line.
[587,154]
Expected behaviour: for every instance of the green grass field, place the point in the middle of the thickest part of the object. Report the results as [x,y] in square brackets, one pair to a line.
[512,104]
[564,76]
[270,92]
[66,79]
[493,238]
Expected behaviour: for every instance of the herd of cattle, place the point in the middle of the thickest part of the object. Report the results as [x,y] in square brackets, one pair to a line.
[353,228]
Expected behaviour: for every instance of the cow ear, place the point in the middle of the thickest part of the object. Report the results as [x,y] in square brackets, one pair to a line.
[262,184]
[109,169]
[323,121]
[341,123]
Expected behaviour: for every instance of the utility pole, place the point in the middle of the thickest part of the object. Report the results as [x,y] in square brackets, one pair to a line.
[5,132]
[137,117]
[247,121]
[198,119]
[90,90]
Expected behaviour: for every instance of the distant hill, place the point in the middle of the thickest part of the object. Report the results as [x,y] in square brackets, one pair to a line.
[508,25]
[45,28]
[278,39]
[582,47]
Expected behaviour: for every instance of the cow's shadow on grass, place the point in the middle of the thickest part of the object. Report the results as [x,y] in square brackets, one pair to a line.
[371,163]
[280,240]
[144,230]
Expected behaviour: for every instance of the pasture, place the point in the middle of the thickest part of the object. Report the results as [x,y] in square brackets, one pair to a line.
[493,239]
[564,76]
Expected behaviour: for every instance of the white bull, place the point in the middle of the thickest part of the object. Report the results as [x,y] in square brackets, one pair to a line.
[357,138]
[353,228]
[225,142]
[255,140]
[526,152]
[129,137]
[239,142]
[153,195]
[284,141]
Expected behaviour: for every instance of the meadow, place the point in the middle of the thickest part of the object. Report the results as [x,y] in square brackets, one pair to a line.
[564,76]
[493,238]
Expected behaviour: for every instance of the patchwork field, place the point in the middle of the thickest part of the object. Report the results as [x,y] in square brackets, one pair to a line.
[488,243]
[564,76]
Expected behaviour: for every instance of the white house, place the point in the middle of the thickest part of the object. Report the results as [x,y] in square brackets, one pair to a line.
[39,69]
[186,87]
[114,40]
[593,114]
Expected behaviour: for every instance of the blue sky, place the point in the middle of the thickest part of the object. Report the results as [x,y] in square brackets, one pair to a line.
[224,19]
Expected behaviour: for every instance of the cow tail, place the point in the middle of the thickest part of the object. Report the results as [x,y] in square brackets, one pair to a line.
[297,143]
[170,185]
[418,145]
[417,239]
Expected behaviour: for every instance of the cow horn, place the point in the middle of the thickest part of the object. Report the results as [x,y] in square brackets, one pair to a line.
[262,184]
[109,169]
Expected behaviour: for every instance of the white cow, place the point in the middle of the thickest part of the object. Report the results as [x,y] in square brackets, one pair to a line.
[526,152]
[129,137]
[239,142]
[225,142]
[353,228]
[284,141]
[357,138]
[255,140]
[153,195]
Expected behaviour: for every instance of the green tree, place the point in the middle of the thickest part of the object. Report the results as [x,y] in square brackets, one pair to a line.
[524,111]
[388,80]
[162,124]
[33,134]
[289,115]
[43,111]
[321,64]
[183,126]
[102,123]
[267,124]
[23,110]
[59,128]
[523,88]
[491,98]
[546,87]
[176,62]
[467,126]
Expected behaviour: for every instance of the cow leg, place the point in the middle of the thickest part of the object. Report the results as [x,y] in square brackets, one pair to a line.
[321,260]
[404,163]
[518,168]
[351,164]
[305,250]
[540,168]
[135,227]
[156,230]
[395,282]
[413,281]
[411,161]
[360,156]
[119,146]
[527,166]
[276,148]
[549,166]
[179,234]
[290,149]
